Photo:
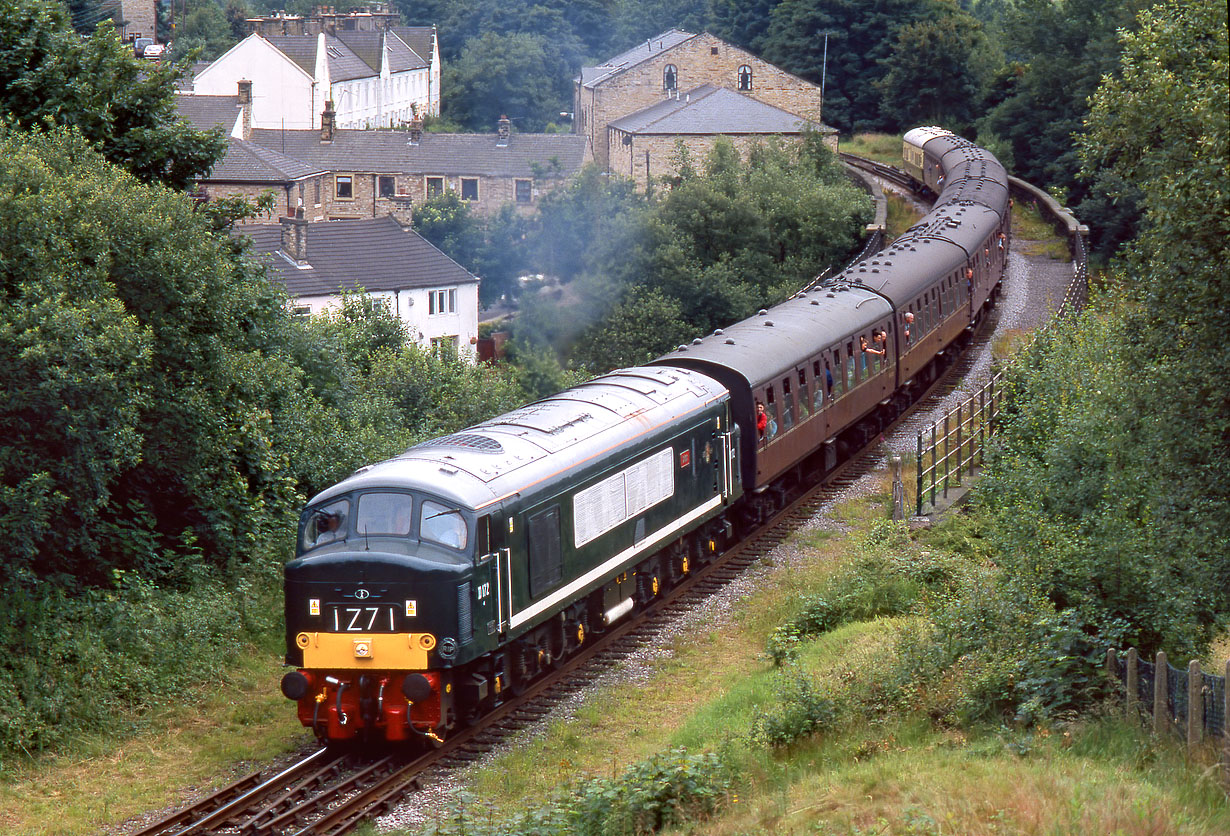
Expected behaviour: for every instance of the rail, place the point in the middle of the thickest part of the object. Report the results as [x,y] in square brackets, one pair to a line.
[1190,702]
[955,443]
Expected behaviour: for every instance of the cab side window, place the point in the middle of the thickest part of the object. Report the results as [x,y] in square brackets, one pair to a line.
[326,524]
[441,524]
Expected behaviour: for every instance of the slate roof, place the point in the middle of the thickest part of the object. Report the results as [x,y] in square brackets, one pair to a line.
[350,55]
[377,253]
[712,110]
[391,151]
[205,112]
[641,52]
[421,39]
[246,162]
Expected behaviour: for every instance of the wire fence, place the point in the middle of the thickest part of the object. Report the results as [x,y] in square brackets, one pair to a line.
[1191,703]
[955,442]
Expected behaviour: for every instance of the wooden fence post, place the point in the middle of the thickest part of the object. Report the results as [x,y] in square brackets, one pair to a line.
[1133,682]
[1195,704]
[1160,688]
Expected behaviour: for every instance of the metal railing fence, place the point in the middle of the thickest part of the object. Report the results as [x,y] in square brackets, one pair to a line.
[955,442]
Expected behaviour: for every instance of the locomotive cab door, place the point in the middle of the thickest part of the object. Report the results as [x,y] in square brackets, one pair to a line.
[492,576]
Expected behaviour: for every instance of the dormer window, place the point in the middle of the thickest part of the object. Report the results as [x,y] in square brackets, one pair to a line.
[670,78]
[745,77]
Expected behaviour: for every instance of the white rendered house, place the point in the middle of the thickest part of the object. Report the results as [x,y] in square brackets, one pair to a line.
[374,79]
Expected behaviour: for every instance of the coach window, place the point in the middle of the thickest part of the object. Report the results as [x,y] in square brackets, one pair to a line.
[787,405]
[343,187]
[851,367]
[670,78]
[745,77]
[435,186]
[770,401]
[546,557]
[469,188]
[819,378]
[804,400]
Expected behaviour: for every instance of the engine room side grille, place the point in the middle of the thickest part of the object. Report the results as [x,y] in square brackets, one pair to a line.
[464,627]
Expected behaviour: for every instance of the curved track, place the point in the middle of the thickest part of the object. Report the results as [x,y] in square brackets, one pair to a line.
[331,791]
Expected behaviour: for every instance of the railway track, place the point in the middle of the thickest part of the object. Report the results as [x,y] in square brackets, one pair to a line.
[890,173]
[331,791]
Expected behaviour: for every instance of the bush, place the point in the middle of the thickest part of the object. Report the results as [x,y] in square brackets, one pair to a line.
[668,789]
[804,710]
[885,577]
[94,663]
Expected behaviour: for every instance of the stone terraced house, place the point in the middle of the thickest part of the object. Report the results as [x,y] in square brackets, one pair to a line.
[669,67]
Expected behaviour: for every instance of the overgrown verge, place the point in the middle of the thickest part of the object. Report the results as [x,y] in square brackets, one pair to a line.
[665,790]
[101,659]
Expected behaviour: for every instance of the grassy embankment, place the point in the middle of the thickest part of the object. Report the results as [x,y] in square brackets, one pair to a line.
[868,771]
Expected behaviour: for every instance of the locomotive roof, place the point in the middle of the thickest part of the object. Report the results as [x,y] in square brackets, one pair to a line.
[776,340]
[514,452]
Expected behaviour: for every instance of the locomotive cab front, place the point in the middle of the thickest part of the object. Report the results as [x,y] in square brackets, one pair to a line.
[378,606]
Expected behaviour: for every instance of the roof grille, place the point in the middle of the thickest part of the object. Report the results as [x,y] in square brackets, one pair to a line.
[468,441]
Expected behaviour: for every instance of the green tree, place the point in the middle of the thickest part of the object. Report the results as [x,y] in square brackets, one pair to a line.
[205,26]
[125,107]
[933,75]
[1057,54]
[1107,491]
[517,75]
[1161,124]
[861,34]
[143,391]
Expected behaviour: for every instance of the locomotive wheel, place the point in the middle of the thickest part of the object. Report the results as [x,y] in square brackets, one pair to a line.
[648,584]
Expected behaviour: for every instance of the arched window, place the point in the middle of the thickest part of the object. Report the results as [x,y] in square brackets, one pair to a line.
[670,78]
[745,77]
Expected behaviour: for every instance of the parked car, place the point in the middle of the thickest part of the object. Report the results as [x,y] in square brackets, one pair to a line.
[154,51]
[139,45]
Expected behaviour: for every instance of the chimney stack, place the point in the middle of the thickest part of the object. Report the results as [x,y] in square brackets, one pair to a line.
[504,131]
[416,125]
[245,103]
[294,237]
[327,120]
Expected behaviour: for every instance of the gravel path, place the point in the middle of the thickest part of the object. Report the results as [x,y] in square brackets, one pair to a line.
[1033,289]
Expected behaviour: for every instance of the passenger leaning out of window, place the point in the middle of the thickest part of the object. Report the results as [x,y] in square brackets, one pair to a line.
[762,420]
